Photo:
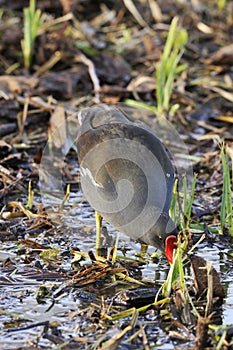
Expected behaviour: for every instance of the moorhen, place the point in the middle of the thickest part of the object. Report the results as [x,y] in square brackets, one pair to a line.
[127,176]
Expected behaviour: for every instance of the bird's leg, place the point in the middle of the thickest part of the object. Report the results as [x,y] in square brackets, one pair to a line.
[143,249]
[98,222]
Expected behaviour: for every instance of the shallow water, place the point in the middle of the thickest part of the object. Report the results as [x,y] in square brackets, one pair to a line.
[20,298]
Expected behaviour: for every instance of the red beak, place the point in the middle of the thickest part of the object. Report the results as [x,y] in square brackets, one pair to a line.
[170,246]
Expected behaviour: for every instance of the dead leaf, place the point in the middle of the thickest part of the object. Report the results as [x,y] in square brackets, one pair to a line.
[156,11]
[17,84]
[5,149]
[129,4]
[225,118]
[32,244]
[223,56]
[226,94]
[202,332]
[57,130]
[199,266]
[66,5]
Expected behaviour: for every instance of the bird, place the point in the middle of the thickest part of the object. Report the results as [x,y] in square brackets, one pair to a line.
[127,176]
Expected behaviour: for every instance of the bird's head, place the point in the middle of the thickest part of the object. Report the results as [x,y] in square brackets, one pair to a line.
[163,235]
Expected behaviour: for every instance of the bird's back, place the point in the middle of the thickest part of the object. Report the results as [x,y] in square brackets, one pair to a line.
[127,175]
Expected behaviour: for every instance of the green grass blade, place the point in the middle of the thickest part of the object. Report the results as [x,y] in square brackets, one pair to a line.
[170,39]
[226,213]
[167,67]
[175,58]
[32,20]
[188,208]
[27,38]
